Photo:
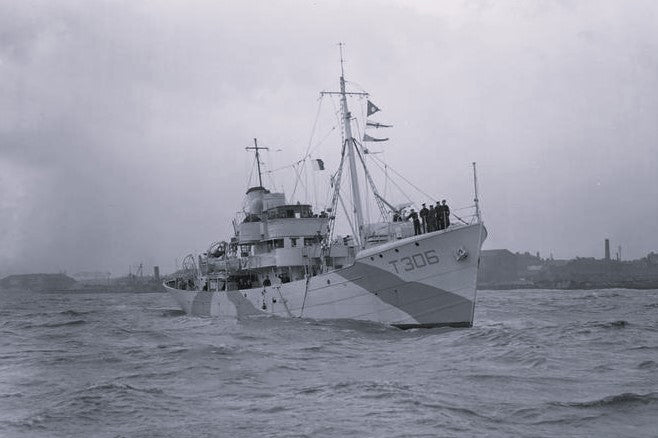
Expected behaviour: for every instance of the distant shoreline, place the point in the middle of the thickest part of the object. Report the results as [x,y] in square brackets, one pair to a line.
[532,287]
[81,291]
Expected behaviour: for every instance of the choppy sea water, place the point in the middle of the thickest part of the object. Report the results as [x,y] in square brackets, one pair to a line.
[536,363]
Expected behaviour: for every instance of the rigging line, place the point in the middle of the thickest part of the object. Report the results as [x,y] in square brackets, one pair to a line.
[269,159]
[338,114]
[364,115]
[284,301]
[305,170]
[385,175]
[336,195]
[380,204]
[251,173]
[283,167]
[468,207]
[315,124]
[410,183]
[308,279]
[347,215]
[308,148]
[396,184]
[460,219]
[357,85]
[292,165]
[297,180]
[321,141]
[327,195]
[365,169]
[309,154]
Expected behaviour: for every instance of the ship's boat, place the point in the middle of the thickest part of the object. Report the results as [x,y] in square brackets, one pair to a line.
[285,259]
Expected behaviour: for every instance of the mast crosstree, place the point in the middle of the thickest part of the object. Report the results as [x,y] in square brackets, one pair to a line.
[257,148]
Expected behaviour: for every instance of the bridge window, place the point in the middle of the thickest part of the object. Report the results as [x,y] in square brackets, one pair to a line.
[299,211]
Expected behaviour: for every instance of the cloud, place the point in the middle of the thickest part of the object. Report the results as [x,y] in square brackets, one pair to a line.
[122,124]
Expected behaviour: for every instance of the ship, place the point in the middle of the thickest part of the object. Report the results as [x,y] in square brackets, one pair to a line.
[287,260]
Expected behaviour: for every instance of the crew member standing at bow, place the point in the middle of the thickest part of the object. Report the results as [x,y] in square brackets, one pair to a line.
[414,217]
[424,213]
[446,214]
[431,219]
[440,224]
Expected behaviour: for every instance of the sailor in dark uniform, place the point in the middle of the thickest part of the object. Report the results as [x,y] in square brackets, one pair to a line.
[424,213]
[431,219]
[446,214]
[440,224]
[414,217]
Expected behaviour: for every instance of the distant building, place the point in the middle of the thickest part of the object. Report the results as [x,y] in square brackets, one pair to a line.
[652,258]
[37,282]
[94,277]
[503,267]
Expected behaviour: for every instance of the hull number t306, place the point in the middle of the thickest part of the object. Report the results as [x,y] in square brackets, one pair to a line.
[415,261]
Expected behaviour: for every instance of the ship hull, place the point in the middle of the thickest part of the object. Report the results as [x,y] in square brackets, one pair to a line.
[422,281]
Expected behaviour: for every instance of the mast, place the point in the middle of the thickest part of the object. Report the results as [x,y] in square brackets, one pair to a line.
[477,200]
[257,148]
[350,143]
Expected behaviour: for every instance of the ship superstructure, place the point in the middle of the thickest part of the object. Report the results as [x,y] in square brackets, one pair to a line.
[285,258]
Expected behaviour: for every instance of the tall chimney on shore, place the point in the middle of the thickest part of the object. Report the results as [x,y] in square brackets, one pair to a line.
[156,273]
[607,249]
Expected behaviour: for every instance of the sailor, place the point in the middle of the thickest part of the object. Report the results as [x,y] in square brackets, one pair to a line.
[444,217]
[414,217]
[431,219]
[439,216]
[267,281]
[424,213]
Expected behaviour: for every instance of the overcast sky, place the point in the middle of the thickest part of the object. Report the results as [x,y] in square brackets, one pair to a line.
[123,123]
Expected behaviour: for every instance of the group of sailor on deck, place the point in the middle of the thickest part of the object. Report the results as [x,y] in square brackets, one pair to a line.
[430,219]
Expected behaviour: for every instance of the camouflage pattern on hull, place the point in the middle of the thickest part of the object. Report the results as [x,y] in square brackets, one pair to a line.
[422,281]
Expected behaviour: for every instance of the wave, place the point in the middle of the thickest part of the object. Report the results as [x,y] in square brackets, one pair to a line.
[626,399]
[644,347]
[172,313]
[267,410]
[62,324]
[647,365]
[75,312]
[612,324]
[121,387]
